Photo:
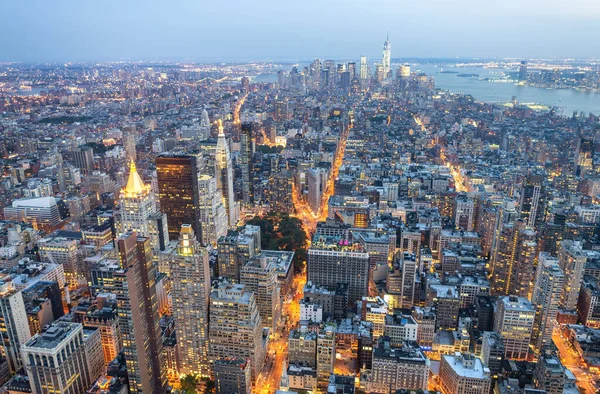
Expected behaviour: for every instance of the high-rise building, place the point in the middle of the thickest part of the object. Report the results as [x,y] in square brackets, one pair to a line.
[129,143]
[106,319]
[588,305]
[571,260]
[235,250]
[549,374]
[134,285]
[63,251]
[533,200]
[14,328]
[246,162]
[259,275]
[464,374]
[492,352]
[364,68]
[549,282]
[523,71]
[316,180]
[387,57]
[235,328]
[63,359]
[325,355]
[178,190]
[464,213]
[332,260]
[398,367]
[139,213]
[233,375]
[281,191]
[83,158]
[584,154]
[190,277]
[213,217]
[224,175]
[513,260]
[514,323]
[44,213]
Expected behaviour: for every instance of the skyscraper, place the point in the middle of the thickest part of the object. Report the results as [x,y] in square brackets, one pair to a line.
[246,162]
[514,322]
[235,328]
[213,217]
[224,175]
[387,57]
[190,276]
[139,213]
[14,328]
[260,277]
[513,260]
[334,260]
[83,158]
[134,285]
[364,68]
[316,179]
[523,71]
[583,158]
[129,143]
[571,259]
[177,176]
[532,200]
[549,282]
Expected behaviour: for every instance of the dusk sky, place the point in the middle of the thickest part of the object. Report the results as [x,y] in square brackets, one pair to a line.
[229,30]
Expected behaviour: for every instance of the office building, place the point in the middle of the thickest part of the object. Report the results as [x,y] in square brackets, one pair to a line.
[332,261]
[139,213]
[548,286]
[302,347]
[44,213]
[513,260]
[134,285]
[464,213]
[63,251]
[549,374]
[190,278]
[588,305]
[235,328]
[571,260]
[83,158]
[464,374]
[325,355]
[584,154]
[246,142]
[224,175]
[213,217]
[259,275]
[398,367]
[492,352]
[364,68]
[14,328]
[532,201]
[178,190]
[129,143]
[316,180]
[235,250]
[514,322]
[63,359]
[106,319]
[233,376]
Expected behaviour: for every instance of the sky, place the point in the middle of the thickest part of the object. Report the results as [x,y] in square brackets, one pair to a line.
[238,30]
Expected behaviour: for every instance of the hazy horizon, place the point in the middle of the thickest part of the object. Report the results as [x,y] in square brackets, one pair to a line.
[79,31]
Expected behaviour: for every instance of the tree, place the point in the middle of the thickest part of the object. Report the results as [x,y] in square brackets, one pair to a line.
[189,384]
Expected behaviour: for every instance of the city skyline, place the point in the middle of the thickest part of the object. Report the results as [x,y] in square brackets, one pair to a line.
[90,32]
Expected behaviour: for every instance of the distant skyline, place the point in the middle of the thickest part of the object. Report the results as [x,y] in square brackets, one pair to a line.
[188,30]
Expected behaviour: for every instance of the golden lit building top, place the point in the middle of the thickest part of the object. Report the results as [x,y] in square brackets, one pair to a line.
[135,186]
